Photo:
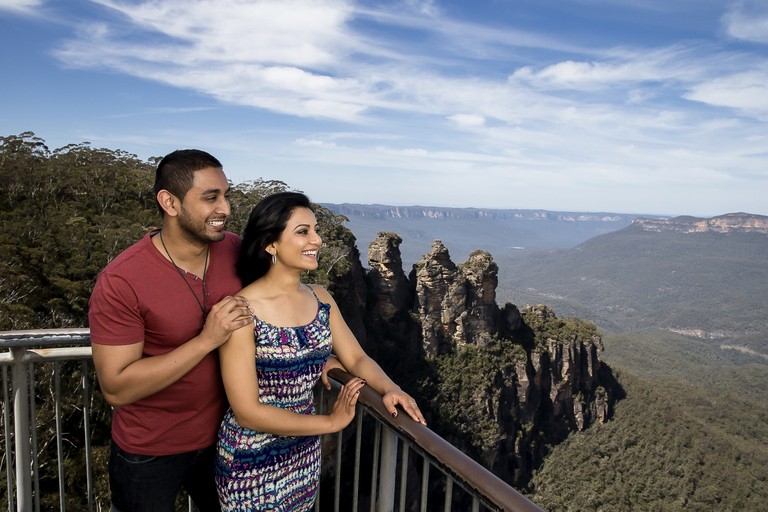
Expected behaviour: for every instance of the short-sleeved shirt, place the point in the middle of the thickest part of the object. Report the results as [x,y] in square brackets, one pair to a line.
[140,296]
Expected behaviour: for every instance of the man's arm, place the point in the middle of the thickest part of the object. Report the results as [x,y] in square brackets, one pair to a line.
[125,376]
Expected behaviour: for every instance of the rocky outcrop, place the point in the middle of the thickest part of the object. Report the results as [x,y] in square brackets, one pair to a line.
[729,223]
[455,304]
[548,382]
[440,299]
[393,291]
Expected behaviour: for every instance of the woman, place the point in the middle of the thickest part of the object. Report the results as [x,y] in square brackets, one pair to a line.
[269,450]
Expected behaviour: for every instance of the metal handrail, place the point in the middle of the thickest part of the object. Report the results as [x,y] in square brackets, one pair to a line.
[458,468]
[496,493]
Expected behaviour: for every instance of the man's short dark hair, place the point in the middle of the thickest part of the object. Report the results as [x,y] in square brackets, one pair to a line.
[176,172]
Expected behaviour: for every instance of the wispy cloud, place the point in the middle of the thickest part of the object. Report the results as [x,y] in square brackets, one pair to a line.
[747,20]
[20,6]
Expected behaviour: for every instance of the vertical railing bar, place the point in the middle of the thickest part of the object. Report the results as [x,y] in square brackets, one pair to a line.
[87,429]
[475,504]
[337,480]
[424,484]
[403,474]
[387,470]
[21,430]
[33,432]
[375,472]
[8,436]
[358,441]
[448,503]
[59,444]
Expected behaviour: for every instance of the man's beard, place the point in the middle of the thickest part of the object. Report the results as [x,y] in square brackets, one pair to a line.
[197,229]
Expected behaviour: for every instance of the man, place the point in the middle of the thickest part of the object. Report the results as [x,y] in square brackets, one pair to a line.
[157,315]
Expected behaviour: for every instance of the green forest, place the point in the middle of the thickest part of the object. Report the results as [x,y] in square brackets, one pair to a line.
[68,212]
[673,442]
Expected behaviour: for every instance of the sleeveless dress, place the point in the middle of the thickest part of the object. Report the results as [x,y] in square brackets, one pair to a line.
[261,471]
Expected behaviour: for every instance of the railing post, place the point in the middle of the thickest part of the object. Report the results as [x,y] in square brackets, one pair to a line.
[387,472]
[8,436]
[21,425]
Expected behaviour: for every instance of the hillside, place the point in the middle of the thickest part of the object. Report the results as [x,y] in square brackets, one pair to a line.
[669,446]
[710,285]
[679,298]
[501,232]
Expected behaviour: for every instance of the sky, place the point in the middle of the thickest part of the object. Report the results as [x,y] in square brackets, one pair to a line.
[629,106]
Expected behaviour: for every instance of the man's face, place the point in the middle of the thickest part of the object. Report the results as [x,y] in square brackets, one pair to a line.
[205,208]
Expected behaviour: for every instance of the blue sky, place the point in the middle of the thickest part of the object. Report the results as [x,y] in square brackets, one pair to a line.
[631,106]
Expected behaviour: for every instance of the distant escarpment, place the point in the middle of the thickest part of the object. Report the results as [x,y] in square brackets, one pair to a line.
[502,384]
[728,223]
[435,212]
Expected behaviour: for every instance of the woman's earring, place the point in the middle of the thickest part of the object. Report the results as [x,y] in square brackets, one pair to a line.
[274,258]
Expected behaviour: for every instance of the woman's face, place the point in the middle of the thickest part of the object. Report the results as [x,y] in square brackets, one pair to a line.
[299,243]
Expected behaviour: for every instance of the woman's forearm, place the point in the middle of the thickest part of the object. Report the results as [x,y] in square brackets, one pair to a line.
[366,368]
[283,422]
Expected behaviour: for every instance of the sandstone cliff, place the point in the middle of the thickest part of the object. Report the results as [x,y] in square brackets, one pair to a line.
[729,223]
[503,383]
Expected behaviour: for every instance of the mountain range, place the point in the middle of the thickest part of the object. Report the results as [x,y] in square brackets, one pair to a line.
[681,297]
[463,230]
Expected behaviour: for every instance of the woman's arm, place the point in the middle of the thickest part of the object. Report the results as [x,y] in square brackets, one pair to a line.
[238,371]
[331,364]
[357,362]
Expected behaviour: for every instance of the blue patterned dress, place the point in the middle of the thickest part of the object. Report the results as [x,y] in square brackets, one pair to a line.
[261,471]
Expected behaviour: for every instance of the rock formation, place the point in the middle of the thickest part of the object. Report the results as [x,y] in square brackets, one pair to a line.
[455,304]
[548,382]
[389,283]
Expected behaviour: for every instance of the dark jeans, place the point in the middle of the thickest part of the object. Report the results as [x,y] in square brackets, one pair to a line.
[147,483]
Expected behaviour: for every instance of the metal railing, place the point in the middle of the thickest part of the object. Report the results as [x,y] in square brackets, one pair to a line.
[428,468]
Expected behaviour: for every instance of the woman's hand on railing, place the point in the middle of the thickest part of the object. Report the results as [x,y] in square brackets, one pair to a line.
[395,397]
[344,407]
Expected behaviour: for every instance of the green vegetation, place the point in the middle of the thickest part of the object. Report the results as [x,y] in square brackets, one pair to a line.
[669,446]
[657,354]
[468,389]
[542,321]
[68,212]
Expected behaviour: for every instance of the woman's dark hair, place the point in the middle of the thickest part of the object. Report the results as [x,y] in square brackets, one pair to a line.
[265,225]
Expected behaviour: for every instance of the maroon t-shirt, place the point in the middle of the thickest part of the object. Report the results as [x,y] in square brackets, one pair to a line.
[141,296]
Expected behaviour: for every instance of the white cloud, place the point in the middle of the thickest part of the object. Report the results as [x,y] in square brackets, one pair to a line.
[619,67]
[747,20]
[20,6]
[467,120]
[286,32]
[746,91]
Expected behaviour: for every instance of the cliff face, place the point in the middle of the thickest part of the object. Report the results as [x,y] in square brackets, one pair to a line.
[513,380]
[729,223]
[431,212]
